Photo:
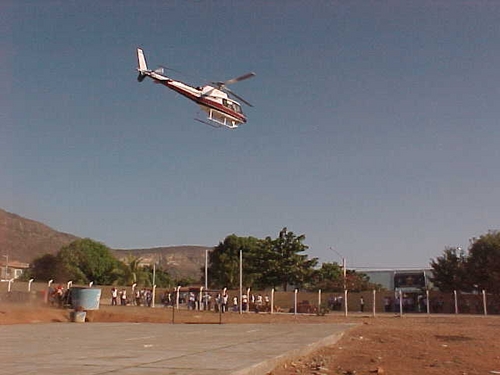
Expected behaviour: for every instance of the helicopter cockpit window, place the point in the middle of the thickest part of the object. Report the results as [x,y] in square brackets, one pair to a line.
[237,108]
[231,105]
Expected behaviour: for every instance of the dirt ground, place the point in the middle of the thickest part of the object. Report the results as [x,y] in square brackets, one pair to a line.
[386,344]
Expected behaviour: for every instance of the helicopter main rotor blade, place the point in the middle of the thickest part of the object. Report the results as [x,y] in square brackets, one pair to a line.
[238,79]
[222,84]
[238,97]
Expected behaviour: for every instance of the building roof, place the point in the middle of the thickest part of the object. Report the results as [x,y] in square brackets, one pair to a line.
[14,264]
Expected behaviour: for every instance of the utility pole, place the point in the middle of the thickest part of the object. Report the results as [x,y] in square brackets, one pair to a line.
[206,269]
[241,281]
[154,273]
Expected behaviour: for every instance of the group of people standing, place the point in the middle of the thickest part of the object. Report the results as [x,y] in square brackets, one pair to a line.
[219,301]
[256,303]
[121,295]
[216,301]
[142,297]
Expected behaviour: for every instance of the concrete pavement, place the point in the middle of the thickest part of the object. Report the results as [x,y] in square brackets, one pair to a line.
[146,348]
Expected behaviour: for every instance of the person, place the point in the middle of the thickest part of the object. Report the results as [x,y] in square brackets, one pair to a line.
[218,302]
[244,302]
[361,304]
[58,295]
[206,301]
[149,297]
[225,298]
[137,297]
[235,304]
[423,304]
[340,302]
[259,302]
[166,298]
[114,296]
[387,304]
[123,297]
[191,301]
[331,302]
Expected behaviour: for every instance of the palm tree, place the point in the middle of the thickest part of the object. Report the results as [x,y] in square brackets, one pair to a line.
[130,271]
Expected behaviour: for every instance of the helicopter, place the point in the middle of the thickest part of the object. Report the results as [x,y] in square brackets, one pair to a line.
[214,99]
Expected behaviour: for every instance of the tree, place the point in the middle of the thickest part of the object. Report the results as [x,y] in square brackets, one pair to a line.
[85,260]
[224,261]
[358,282]
[184,281]
[130,271]
[47,267]
[483,263]
[329,278]
[450,270]
[285,265]
[161,278]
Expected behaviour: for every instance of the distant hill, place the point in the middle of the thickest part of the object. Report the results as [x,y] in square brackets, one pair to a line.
[178,261]
[24,240]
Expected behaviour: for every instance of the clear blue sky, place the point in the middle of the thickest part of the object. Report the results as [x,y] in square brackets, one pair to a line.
[375,127]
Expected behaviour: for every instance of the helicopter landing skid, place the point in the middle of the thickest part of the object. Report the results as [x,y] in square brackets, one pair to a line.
[215,122]
[217,126]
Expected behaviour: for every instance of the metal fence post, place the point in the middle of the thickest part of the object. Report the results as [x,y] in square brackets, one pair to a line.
[345,302]
[400,302]
[319,301]
[374,301]
[295,301]
[456,301]
[272,301]
[177,297]
[153,296]
[427,303]
[484,303]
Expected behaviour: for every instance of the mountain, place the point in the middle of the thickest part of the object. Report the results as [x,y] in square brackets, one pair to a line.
[24,240]
[178,261]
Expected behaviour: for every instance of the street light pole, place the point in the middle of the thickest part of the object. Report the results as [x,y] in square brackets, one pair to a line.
[241,282]
[344,265]
[206,269]
[344,269]
[154,273]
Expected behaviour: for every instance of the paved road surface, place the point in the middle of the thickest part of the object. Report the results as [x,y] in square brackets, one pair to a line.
[145,348]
